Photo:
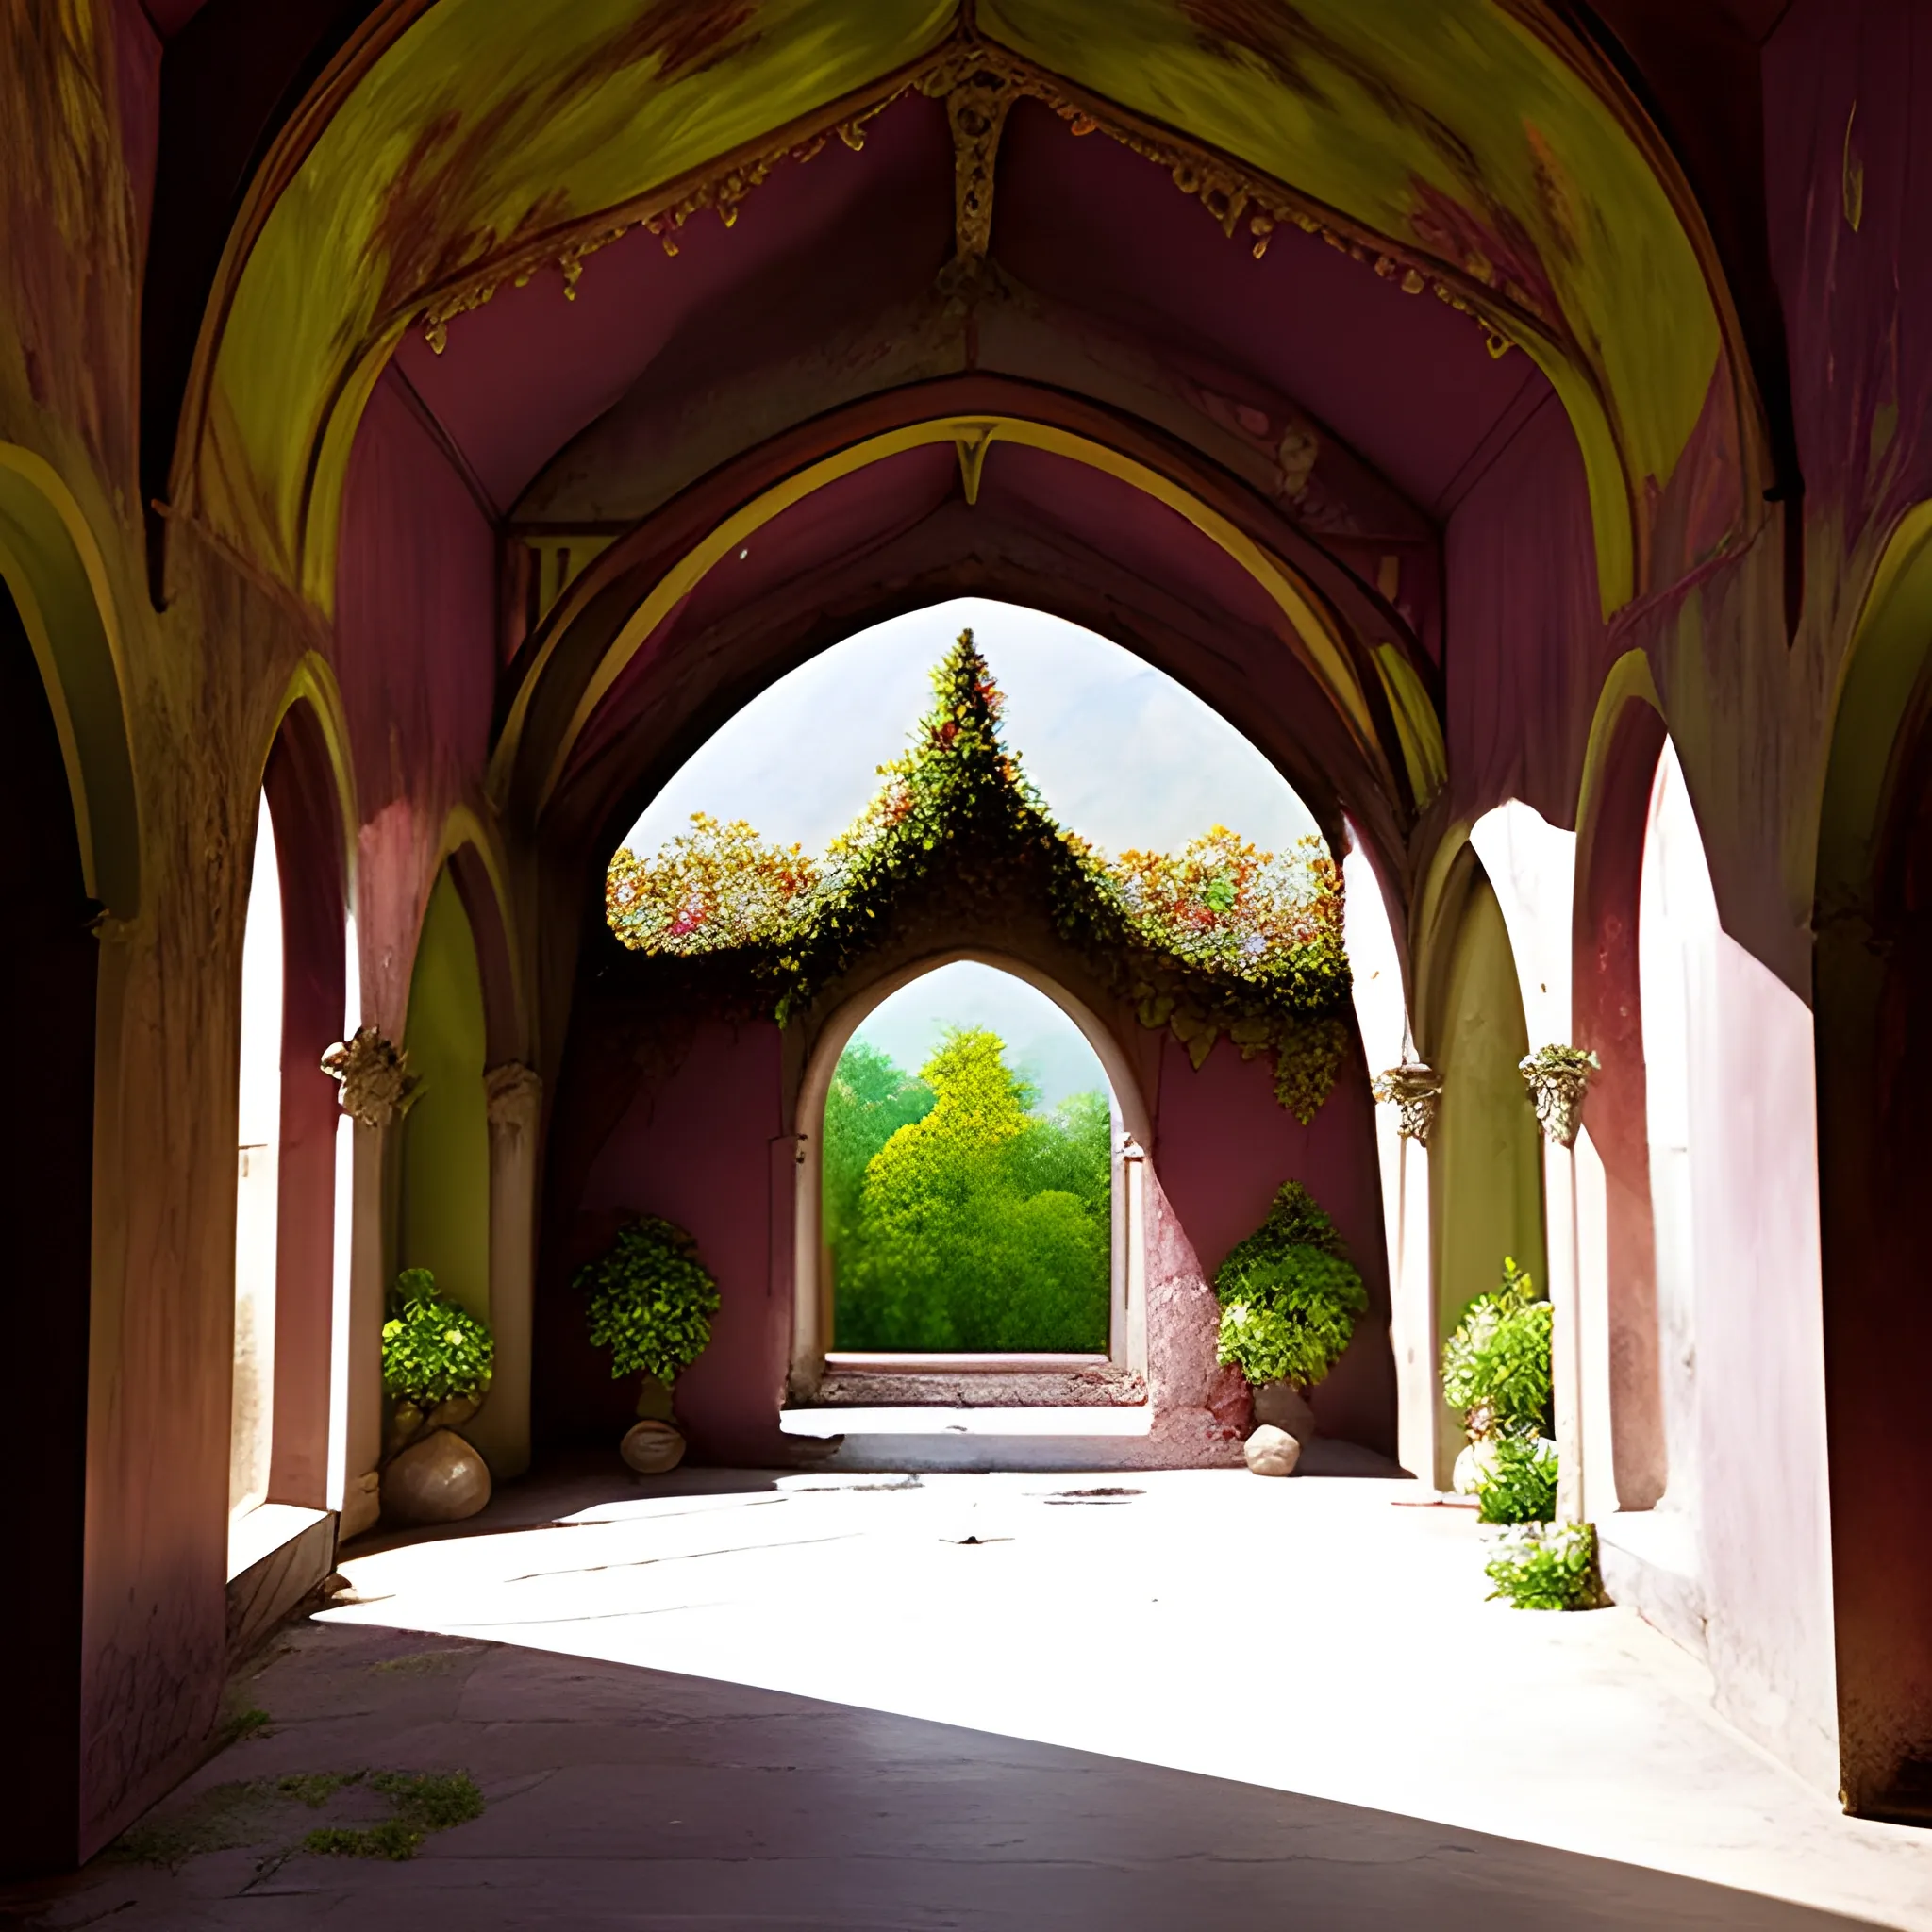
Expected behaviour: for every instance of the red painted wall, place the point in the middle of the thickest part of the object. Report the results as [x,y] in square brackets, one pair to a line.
[705,1144]
[415,657]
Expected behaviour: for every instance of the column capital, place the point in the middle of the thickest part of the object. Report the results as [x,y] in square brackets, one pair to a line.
[374,1076]
[1559,1077]
[1414,1087]
[513,1094]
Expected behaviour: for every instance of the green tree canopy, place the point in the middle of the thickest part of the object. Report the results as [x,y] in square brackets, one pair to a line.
[976,1223]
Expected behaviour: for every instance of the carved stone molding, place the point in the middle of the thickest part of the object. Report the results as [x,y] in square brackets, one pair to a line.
[374,1076]
[513,1095]
[1414,1088]
[976,98]
[979,82]
[1557,1078]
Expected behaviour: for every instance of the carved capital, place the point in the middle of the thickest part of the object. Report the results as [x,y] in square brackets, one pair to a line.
[513,1095]
[1557,1078]
[374,1076]
[1414,1088]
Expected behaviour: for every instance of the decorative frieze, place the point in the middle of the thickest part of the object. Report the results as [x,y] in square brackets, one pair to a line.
[1557,1078]
[1414,1088]
[374,1076]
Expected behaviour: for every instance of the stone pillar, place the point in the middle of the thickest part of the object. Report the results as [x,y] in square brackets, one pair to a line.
[515,1102]
[1132,1226]
[1559,1077]
[1412,1090]
[376,1090]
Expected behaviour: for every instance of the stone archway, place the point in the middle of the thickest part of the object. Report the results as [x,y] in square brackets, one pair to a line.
[1872,1006]
[1132,1177]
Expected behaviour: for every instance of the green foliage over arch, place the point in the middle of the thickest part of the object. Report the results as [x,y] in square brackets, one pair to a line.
[1221,939]
[972,1225]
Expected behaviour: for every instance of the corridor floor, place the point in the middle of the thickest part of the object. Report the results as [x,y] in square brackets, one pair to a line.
[1188,1699]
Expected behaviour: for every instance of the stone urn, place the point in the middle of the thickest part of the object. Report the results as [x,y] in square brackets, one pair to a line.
[654,1444]
[1272,1451]
[440,1478]
[652,1447]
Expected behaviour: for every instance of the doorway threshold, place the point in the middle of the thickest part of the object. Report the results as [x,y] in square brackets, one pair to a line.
[1042,1381]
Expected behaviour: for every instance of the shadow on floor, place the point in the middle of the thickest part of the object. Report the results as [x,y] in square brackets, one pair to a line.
[618,1797]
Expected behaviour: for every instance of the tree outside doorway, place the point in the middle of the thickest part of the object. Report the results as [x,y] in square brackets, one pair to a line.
[960,1216]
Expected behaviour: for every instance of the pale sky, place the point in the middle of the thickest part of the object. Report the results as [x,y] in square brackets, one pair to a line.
[1123,755]
[1043,1045]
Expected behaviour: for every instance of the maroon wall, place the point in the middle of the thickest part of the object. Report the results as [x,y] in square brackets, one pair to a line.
[1223,1145]
[693,1139]
[1609,1022]
[415,655]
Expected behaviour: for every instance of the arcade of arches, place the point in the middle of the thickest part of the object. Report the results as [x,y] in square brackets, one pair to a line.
[424,424]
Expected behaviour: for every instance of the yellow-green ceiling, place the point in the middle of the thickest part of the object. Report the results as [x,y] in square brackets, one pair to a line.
[1450,127]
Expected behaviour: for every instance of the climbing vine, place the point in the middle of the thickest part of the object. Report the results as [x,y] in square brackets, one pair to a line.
[1221,939]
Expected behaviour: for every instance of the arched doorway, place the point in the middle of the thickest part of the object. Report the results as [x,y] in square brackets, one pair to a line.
[1872,1002]
[47,1190]
[258,1170]
[665,1103]
[1677,933]
[291,1289]
[1116,1333]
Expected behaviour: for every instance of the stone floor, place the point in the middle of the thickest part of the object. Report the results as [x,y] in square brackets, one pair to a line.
[1192,1699]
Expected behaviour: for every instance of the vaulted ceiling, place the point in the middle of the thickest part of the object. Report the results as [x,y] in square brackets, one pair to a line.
[1306,268]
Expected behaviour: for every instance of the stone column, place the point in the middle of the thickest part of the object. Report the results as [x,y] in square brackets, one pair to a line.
[1559,1077]
[377,1090]
[1414,1091]
[515,1103]
[1133,1237]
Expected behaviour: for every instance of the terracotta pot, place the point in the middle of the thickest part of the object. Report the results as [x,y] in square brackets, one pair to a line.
[652,1448]
[439,1479]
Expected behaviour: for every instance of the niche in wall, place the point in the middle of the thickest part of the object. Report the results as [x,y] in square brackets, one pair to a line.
[443,1217]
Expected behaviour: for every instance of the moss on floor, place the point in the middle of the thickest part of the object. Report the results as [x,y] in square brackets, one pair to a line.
[256,1814]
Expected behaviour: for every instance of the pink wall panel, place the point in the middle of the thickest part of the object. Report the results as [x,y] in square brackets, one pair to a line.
[415,657]
[1222,1145]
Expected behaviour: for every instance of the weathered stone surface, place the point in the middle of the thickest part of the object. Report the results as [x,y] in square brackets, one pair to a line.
[652,1448]
[439,1479]
[1283,1405]
[1271,1451]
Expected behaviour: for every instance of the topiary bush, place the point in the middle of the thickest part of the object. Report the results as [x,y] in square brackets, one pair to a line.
[432,1350]
[1496,1366]
[1516,1481]
[1290,1295]
[651,1300]
[1536,1568]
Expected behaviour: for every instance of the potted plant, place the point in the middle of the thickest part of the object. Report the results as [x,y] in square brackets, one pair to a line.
[650,1304]
[1290,1298]
[1496,1371]
[437,1359]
